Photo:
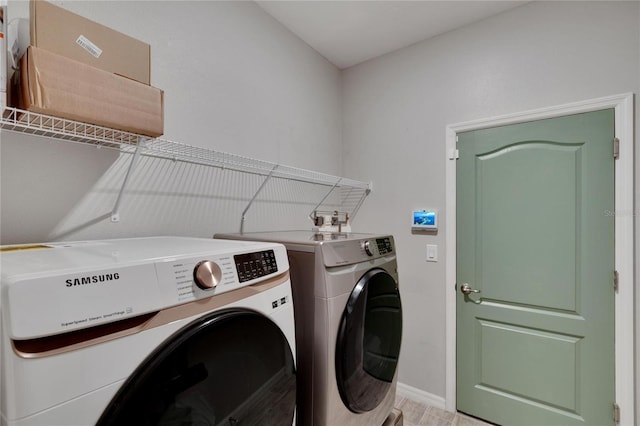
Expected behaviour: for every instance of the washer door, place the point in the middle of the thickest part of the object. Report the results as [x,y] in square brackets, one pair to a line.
[228,367]
[368,342]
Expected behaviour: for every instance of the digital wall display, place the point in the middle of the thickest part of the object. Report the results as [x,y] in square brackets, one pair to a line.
[425,220]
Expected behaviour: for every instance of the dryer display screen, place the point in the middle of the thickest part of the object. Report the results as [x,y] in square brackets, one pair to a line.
[255,265]
[384,245]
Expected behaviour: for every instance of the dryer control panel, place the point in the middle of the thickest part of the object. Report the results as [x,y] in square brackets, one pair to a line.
[347,252]
[385,245]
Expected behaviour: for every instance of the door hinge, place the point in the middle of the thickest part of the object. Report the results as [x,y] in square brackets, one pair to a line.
[616,413]
[616,280]
[616,148]
[454,154]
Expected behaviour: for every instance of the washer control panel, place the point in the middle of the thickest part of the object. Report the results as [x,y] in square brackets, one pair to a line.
[205,276]
[255,265]
[124,278]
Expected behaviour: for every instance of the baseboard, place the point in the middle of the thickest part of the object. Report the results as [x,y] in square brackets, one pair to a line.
[421,396]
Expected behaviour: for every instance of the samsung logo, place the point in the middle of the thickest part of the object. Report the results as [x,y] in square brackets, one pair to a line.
[92,279]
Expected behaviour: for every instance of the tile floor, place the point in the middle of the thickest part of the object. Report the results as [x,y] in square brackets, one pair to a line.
[418,414]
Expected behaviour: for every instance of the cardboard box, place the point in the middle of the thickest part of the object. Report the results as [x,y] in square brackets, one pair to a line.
[65,33]
[55,85]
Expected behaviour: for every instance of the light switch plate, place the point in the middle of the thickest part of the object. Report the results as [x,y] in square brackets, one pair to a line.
[432,253]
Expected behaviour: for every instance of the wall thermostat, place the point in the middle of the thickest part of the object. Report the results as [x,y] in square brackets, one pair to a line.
[424,220]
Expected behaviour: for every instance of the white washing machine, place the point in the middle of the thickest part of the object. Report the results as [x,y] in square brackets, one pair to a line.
[348,324]
[161,330]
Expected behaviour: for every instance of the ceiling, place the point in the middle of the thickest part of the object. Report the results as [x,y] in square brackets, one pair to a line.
[348,32]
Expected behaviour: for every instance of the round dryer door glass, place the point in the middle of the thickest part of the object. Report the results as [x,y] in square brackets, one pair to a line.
[368,342]
[228,367]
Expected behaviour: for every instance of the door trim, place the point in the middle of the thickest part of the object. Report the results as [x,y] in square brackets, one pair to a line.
[624,239]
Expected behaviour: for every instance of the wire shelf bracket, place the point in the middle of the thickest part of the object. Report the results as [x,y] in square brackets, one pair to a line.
[115,213]
[246,209]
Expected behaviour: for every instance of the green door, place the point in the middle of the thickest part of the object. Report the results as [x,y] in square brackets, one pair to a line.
[535,237]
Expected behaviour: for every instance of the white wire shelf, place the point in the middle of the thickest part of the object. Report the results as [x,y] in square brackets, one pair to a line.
[60,128]
[349,193]
[162,148]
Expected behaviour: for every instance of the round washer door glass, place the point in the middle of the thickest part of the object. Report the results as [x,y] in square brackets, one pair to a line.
[368,342]
[228,367]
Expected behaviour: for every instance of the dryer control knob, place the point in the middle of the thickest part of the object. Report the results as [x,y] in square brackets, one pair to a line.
[207,274]
[366,246]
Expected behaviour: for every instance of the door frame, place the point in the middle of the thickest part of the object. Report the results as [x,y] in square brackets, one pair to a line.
[624,238]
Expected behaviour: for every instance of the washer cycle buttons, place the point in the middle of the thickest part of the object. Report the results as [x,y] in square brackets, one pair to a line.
[255,265]
[207,274]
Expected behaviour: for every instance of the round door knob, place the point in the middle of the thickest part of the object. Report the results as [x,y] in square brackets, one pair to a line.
[207,274]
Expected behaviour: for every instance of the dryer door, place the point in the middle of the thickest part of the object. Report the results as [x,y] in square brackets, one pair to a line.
[227,367]
[368,342]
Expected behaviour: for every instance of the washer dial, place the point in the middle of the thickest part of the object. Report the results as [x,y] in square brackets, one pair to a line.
[207,274]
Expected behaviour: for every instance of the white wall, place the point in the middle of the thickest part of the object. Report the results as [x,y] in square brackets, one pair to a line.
[396,109]
[235,81]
